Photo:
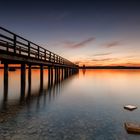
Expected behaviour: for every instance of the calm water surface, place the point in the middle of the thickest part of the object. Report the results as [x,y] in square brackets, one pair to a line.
[85,106]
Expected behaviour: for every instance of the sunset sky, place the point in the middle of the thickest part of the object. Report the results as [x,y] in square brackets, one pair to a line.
[90,32]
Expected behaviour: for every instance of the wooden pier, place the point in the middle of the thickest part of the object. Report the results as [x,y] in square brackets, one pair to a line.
[15,49]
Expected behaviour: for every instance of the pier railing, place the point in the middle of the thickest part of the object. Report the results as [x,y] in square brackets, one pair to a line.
[10,43]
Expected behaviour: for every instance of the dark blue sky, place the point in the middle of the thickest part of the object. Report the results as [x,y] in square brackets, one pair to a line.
[100,32]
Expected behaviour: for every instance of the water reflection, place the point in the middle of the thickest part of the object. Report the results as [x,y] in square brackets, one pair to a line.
[48,93]
[88,106]
[84,71]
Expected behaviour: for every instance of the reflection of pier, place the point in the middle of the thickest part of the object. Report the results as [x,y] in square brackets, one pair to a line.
[17,50]
[41,97]
[84,71]
[55,77]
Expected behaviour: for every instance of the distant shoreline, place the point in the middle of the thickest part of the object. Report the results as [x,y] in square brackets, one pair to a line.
[88,67]
[109,67]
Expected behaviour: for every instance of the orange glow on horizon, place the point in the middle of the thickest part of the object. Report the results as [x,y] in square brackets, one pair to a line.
[113,64]
[119,62]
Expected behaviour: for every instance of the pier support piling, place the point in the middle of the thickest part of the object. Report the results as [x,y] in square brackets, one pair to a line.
[23,81]
[51,76]
[41,77]
[29,80]
[5,81]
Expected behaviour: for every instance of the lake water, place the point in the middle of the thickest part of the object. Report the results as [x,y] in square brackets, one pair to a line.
[85,106]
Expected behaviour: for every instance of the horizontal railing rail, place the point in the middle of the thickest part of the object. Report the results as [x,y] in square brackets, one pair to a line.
[17,45]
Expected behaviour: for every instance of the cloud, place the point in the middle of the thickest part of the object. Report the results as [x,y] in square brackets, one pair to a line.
[132,64]
[69,43]
[102,54]
[130,56]
[97,62]
[104,59]
[112,44]
[81,44]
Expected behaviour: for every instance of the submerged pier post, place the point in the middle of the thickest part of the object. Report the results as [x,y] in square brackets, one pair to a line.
[51,76]
[65,73]
[69,72]
[23,81]
[5,82]
[29,80]
[41,77]
[62,74]
[72,70]
[56,75]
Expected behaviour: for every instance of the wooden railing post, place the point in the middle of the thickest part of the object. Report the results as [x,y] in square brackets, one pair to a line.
[45,54]
[59,59]
[19,50]
[50,57]
[54,57]
[15,38]
[7,49]
[29,49]
[38,52]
